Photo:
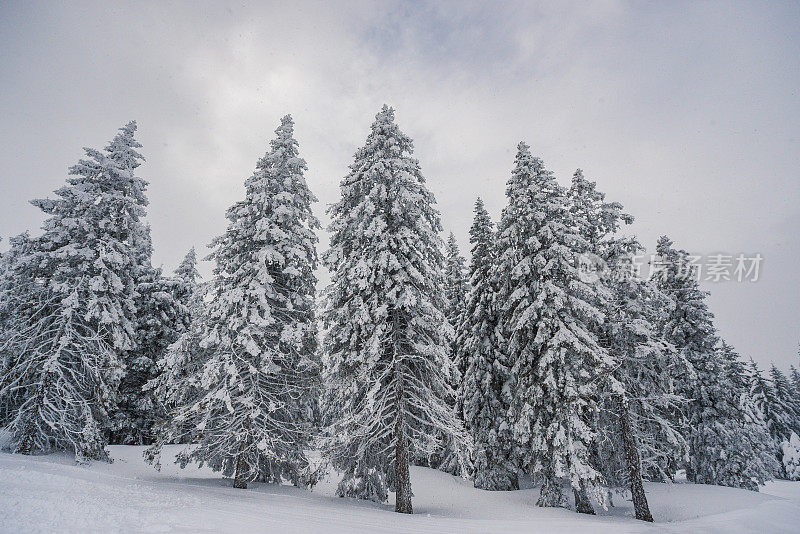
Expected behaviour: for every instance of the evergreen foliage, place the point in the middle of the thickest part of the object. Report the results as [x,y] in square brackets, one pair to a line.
[388,369]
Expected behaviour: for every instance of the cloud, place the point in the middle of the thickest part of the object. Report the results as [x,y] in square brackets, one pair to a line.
[687,113]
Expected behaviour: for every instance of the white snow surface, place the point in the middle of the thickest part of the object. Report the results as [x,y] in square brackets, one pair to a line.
[53,494]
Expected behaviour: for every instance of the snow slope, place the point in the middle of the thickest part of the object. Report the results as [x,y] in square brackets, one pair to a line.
[52,494]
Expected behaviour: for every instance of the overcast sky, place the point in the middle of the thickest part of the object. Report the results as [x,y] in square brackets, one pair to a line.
[687,113]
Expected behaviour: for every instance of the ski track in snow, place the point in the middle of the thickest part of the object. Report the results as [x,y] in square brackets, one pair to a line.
[52,494]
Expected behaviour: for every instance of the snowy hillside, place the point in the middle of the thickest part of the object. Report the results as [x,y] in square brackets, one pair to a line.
[51,494]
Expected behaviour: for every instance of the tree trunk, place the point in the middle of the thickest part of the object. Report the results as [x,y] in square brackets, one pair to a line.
[26,443]
[402,476]
[238,481]
[640,507]
[401,472]
[582,503]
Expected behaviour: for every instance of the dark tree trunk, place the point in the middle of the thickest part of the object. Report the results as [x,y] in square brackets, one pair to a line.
[402,476]
[582,503]
[401,472]
[640,507]
[26,443]
[238,476]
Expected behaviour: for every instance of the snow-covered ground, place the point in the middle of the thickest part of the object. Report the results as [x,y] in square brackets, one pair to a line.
[52,494]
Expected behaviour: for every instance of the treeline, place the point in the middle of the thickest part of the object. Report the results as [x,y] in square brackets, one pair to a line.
[516,365]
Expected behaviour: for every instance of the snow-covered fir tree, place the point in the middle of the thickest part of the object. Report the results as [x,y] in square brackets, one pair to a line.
[178,370]
[93,231]
[455,290]
[487,383]
[84,317]
[786,400]
[784,412]
[450,459]
[187,270]
[549,316]
[161,318]
[748,460]
[17,274]
[634,435]
[794,374]
[252,414]
[388,341]
[637,438]
[712,421]
[598,220]
[765,399]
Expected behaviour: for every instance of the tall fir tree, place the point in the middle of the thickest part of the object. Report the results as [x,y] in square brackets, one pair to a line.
[188,288]
[160,319]
[176,381]
[549,320]
[252,414]
[451,457]
[455,290]
[712,421]
[765,398]
[387,344]
[786,400]
[76,335]
[749,458]
[630,423]
[637,438]
[488,383]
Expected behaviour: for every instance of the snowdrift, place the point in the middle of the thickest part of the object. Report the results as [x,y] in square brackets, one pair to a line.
[52,494]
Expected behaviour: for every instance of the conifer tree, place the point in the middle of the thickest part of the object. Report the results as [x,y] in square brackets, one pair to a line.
[795,376]
[487,383]
[765,399]
[65,382]
[455,289]
[549,320]
[451,459]
[387,344]
[634,435]
[786,400]
[252,417]
[598,220]
[176,383]
[161,318]
[748,460]
[92,232]
[637,438]
[712,420]
[82,320]
[187,270]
